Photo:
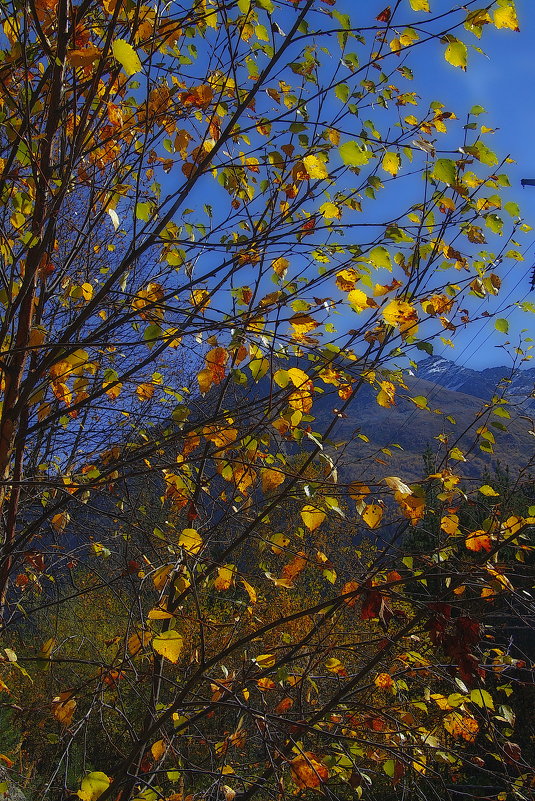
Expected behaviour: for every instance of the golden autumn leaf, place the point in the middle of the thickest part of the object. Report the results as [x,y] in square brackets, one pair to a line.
[251,592]
[358,300]
[391,163]
[225,577]
[412,506]
[93,785]
[506,17]
[450,524]
[308,772]
[137,641]
[372,514]
[265,660]
[60,521]
[279,266]
[271,479]
[397,485]
[312,517]
[384,681]
[461,726]
[84,56]
[168,644]
[145,391]
[386,395]
[126,56]
[478,541]
[157,750]
[401,314]
[190,540]
[303,324]
[63,707]
[315,167]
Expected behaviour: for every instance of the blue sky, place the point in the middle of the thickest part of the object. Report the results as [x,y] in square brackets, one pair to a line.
[502,82]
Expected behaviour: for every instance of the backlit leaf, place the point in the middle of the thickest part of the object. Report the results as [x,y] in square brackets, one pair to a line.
[93,785]
[391,163]
[168,644]
[372,514]
[315,167]
[456,53]
[312,517]
[126,56]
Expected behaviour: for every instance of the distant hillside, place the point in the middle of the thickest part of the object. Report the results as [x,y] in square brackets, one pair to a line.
[415,429]
[480,383]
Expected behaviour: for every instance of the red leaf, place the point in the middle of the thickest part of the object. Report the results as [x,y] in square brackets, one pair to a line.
[385,15]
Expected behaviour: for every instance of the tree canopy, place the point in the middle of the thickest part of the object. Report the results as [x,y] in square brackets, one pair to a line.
[221,224]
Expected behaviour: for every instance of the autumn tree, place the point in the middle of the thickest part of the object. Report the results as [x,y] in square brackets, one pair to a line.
[218,217]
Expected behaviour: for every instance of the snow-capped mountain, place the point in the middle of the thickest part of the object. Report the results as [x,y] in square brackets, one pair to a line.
[480,383]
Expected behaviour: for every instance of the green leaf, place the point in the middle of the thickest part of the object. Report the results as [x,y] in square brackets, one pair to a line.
[456,54]
[354,155]
[512,208]
[477,110]
[93,785]
[482,698]
[502,325]
[379,257]
[420,5]
[126,56]
[483,153]
[143,211]
[445,170]
[342,92]
[267,5]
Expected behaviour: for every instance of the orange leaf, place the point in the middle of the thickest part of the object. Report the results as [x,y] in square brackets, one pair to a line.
[308,772]
[478,541]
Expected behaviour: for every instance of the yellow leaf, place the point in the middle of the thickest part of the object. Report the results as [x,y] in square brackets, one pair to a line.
[251,592]
[271,479]
[93,785]
[401,314]
[225,577]
[169,645]
[279,266]
[391,163]
[160,576]
[456,53]
[450,524]
[190,540]
[312,517]
[59,521]
[330,211]
[386,395]
[87,291]
[265,660]
[126,56]
[488,491]
[315,167]
[303,323]
[456,453]
[159,614]
[506,17]
[157,750]
[372,514]
[358,300]
[145,391]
